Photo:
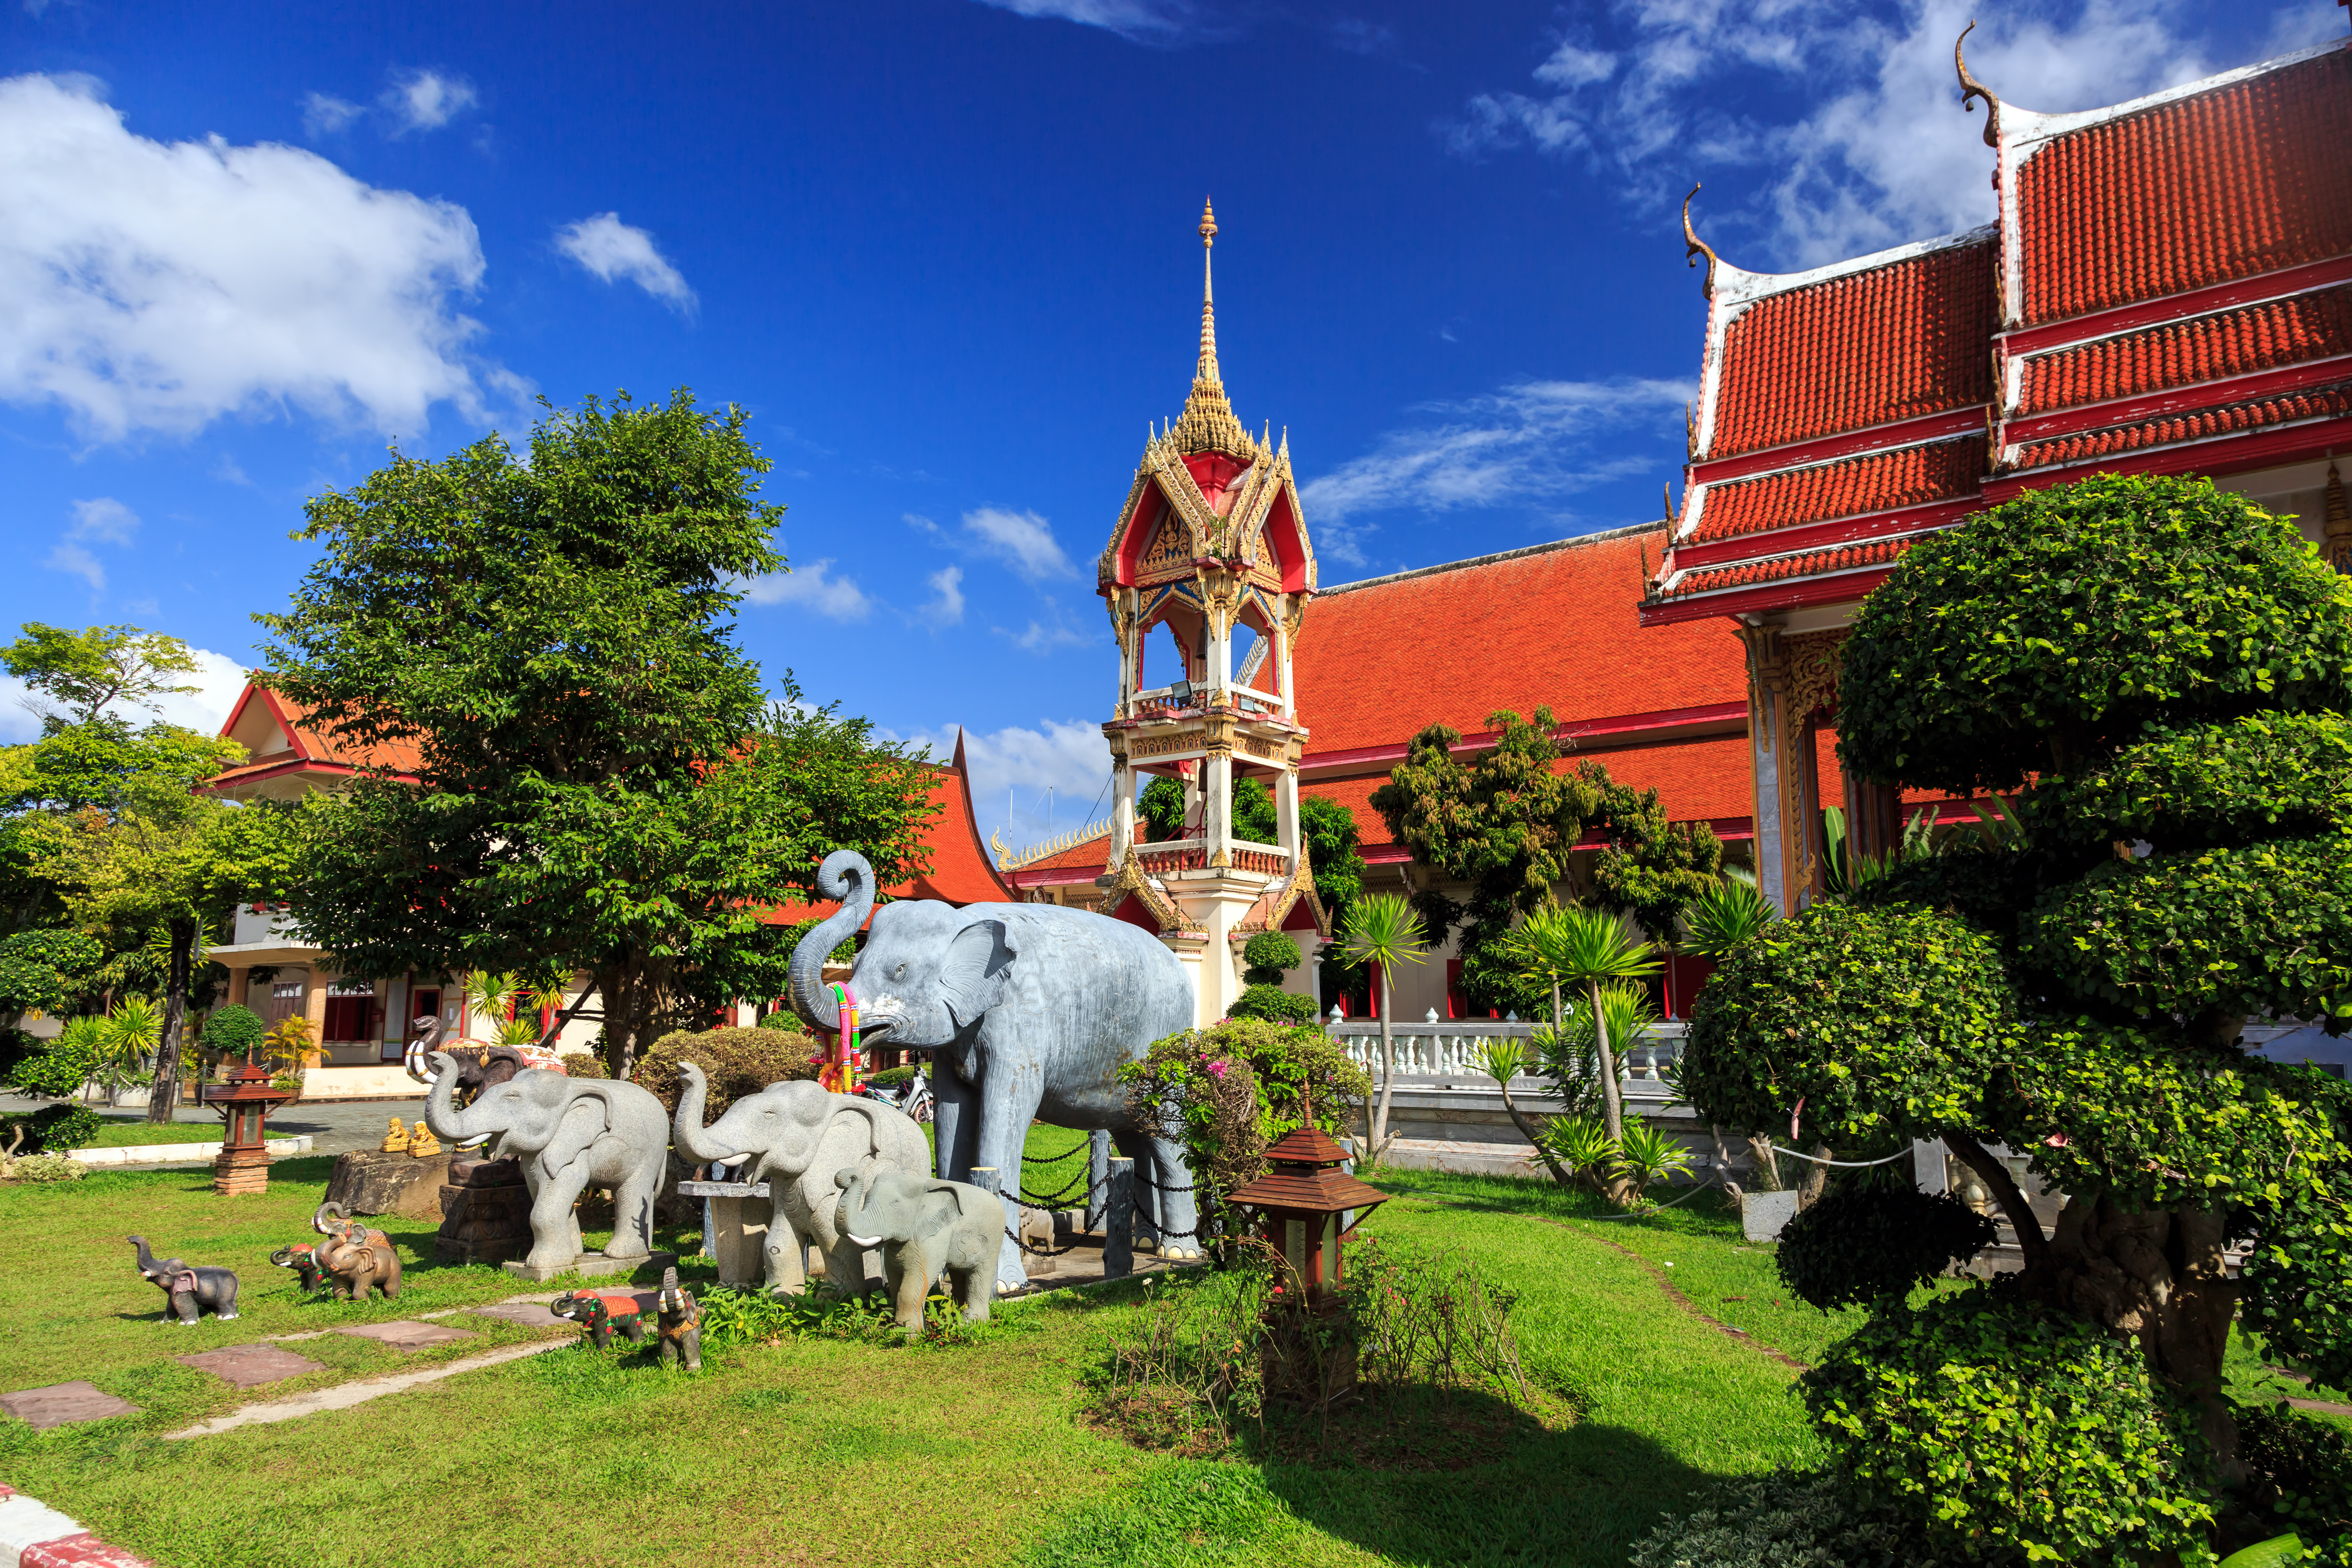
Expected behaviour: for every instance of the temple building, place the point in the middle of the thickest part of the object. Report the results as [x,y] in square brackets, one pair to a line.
[2166,288]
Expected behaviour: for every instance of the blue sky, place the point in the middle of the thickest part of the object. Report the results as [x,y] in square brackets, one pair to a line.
[943,251]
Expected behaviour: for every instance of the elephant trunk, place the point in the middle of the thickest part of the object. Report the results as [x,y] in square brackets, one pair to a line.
[146,1258]
[847,876]
[441,1113]
[686,1127]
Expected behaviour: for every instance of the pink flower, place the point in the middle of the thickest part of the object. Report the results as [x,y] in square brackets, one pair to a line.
[1217,1069]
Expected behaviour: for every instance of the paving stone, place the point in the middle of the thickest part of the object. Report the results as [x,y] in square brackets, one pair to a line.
[407,1336]
[528,1314]
[249,1366]
[63,1403]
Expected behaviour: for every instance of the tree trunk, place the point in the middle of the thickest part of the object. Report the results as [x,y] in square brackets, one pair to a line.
[1766,1162]
[1528,1131]
[1613,1104]
[1388,1071]
[164,1090]
[1817,1178]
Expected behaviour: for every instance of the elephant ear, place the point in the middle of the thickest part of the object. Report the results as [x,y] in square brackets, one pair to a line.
[973,974]
[941,1209]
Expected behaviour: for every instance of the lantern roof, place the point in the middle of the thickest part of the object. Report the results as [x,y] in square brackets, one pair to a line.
[1306,1177]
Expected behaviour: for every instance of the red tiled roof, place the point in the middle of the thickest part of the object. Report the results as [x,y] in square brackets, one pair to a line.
[1897,342]
[1557,625]
[2317,403]
[962,872]
[2234,342]
[308,747]
[1939,471]
[1773,569]
[1094,853]
[2245,179]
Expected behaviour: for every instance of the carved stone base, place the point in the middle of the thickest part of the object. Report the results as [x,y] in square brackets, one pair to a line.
[368,1182]
[591,1265]
[486,1212]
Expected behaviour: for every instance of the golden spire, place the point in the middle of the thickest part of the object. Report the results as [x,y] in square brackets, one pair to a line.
[1207,423]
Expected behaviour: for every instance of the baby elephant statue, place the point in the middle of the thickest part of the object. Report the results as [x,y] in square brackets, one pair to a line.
[303,1259]
[925,1229]
[679,1321]
[352,1257]
[600,1315]
[192,1292]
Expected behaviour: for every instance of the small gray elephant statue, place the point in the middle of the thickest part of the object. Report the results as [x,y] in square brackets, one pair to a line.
[1029,1011]
[572,1132]
[924,1229]
[800,1136]
[192,1292]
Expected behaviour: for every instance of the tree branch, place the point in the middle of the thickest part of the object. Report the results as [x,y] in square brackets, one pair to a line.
[2003,1188]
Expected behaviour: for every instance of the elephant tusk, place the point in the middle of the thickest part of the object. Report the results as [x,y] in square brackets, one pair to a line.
[864,1240]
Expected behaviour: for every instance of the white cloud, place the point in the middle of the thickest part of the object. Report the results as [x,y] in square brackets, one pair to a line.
[815,588]
[947,609]
[1143,21]
[1067,756]
[1039,636]
[102,521]
[1533,442]
[1881,155]
[153,286]
[426,101]
[1022,539]
[323,114]
[613,249]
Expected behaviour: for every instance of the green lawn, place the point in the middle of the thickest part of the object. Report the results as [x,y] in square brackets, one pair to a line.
[823,1450]
[127,1131]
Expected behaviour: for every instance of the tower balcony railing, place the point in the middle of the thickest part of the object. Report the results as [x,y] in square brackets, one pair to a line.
[1193,855]
[1165,702]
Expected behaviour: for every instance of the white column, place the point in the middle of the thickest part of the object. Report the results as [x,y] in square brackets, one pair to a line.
[1217,806]
[1289,688]
[1122,812]
[1285,810]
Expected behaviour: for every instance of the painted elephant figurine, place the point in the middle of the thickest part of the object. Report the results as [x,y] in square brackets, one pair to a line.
[302,1259]
[191,1291]
[600,1312]
[352,1257]
[798,1136]
[1029,1011]
[924,1229]
[571,1132]
[679,1322]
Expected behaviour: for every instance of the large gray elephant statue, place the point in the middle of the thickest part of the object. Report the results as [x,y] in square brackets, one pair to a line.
[1028,1010]
[571,1132]
[800,1136]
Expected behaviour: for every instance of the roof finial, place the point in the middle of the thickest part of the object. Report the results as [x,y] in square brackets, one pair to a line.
[1693,247]
[1207,370]
[1971,90]
[1207,423]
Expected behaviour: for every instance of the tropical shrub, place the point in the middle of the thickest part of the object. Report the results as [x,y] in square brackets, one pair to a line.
[62,1067]
[53,1129]
[1646,1156]
[1789,1519]
[44,1168]
[2096,1460]
[1582,1147]
[582,1064]
[1228,1092]
[1869,1241]
[47,972]
[2299,1471]
[737,1062]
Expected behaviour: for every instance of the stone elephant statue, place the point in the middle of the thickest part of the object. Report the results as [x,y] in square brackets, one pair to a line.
[924,1229]
[798,1135]
[352,1258]
[569,1133]
[192,1290]
[1029,1011]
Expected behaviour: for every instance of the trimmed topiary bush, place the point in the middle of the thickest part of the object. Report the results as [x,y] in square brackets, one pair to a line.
[1267,956]
[784,1021]
[1873,1241]
[1274,1004]
[53,1129]
[45,1168]
[738,1062]
[58,1069]
[233,1030]
[583,1064]
[2009,1431]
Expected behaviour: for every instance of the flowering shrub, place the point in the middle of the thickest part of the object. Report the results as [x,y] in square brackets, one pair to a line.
[1227,1093]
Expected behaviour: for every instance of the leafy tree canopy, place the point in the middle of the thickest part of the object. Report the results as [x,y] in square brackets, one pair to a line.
[599,780]
[78,675]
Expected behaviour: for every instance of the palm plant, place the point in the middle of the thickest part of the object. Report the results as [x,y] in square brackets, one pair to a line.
[1503,1058]
[1645,1155]
[126,1039]
[1725,918]
[1382,929]
[1579,1145]
[1588,948]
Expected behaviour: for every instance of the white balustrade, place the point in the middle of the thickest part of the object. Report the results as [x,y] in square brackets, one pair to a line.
[1451,1050]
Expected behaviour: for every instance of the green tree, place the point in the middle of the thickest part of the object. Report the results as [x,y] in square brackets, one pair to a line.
[48,972]
[1587,948]
[2171,669]
[164,862]
[1383,928]
[81,674]
[598,779]
[1161,808]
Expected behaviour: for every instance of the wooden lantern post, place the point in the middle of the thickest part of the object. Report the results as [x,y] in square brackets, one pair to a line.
[245,1098]
[1300,1203]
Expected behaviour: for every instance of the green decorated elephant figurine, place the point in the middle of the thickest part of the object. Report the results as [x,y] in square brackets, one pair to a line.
[600,1314]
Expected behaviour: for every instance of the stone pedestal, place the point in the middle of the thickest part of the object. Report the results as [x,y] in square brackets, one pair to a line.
[485,1211]
[590,1265]
[366,1181]
[237,1171]
[734,1228]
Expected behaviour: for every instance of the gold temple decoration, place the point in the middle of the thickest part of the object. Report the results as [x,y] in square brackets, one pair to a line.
[1971,88]
[1207,423]
[1694,248]
[1815,660]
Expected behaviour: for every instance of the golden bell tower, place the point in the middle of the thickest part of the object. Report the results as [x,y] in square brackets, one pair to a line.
[1209,544]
